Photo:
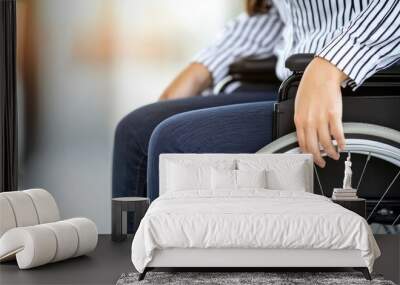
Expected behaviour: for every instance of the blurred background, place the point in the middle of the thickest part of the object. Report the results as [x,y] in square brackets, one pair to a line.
[83,65]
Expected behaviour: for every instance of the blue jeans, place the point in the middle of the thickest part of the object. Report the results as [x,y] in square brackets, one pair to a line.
[234,123]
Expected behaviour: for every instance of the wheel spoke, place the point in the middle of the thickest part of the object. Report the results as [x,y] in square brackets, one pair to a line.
[319,182]
[395,221]
[372,141]
[384,194]
[363,171]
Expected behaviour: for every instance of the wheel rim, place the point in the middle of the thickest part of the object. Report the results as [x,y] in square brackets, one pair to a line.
[366,146]
[365,139]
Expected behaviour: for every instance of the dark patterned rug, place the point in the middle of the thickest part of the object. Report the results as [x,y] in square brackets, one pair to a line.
[243,278]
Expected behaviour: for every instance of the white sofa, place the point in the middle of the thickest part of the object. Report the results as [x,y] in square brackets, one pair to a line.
[32,233]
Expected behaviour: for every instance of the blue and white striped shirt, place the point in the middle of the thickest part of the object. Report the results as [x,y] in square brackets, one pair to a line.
[360,37]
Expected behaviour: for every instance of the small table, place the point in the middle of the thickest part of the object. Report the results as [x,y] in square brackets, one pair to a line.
[120,207]
[358,205]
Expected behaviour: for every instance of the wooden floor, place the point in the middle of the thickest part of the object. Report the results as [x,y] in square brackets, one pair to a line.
[111,259]
[388,264]
[103,266]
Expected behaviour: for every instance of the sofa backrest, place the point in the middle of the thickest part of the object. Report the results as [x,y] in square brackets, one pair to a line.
[297,169]
[26,208]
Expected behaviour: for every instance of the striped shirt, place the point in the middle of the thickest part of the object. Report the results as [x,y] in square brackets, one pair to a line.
[360,37]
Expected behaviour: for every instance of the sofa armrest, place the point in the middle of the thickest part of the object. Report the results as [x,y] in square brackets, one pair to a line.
[40,244]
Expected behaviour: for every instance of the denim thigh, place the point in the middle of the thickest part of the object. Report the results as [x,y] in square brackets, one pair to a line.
[239,128]
[132,135]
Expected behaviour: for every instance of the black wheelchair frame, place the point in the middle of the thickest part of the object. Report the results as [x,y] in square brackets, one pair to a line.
[377,102]
[362,105]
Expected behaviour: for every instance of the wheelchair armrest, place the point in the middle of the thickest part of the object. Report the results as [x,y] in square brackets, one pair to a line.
[255,74]
[258,71]
[298,63]
[249,65]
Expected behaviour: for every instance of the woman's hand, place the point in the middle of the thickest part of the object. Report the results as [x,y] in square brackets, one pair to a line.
[318,110]
[190,82]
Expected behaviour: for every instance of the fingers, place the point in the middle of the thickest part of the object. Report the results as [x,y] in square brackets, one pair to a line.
[336,127]
[326,141]
[313,146]
[301,138]
[318,112]
[309,138]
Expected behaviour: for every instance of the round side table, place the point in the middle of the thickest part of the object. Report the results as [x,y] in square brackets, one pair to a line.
[120,208]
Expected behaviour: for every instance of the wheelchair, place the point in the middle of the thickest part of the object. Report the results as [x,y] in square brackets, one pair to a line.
[371,117]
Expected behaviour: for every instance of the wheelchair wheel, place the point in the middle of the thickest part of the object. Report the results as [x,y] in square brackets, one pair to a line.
[375,154]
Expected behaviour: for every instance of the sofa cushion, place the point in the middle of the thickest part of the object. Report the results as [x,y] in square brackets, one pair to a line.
[7,220]
[27,208]
[45,205]
[23,208]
